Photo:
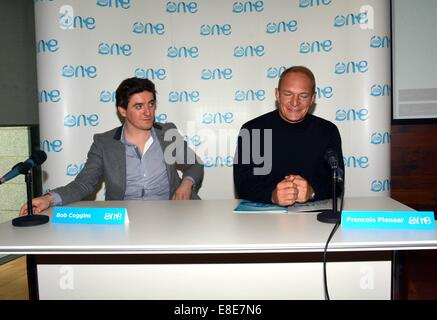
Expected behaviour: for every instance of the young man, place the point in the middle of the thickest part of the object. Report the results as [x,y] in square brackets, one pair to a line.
[295,146]
[134,160]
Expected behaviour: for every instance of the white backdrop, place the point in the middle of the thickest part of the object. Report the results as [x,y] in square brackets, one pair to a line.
[215,65]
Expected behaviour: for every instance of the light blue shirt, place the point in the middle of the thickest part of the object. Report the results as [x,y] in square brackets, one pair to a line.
[146,174]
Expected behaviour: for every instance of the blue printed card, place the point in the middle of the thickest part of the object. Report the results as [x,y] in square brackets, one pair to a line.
[417,220]
[90,215]
[246,206]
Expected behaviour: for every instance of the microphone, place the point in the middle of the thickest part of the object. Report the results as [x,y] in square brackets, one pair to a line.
[331,157]
[332,216]
[23,167]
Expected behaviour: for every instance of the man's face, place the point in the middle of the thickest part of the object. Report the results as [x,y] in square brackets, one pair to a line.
[295,96]
[140,111]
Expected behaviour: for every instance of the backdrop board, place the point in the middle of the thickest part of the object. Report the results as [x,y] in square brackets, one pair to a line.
[216,65]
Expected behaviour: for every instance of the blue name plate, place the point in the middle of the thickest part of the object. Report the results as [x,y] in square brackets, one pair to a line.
[417,220]
[90,215]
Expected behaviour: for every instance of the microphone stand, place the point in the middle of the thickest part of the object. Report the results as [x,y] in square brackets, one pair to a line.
[331,216]
[31,219]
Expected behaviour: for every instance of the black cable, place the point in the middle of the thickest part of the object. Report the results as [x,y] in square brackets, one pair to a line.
[325,251]
[325,278]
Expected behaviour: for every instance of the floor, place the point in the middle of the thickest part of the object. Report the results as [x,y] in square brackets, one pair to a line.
[13,280]
[419,268]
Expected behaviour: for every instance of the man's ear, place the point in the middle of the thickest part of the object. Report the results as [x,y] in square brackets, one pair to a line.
[313,98]
[121,111]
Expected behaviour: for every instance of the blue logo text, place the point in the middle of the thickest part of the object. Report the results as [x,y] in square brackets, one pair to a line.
[218,118]
[79,71]
[352,67]
[81,120]
[49,96]
[316,46]
[380,138]
[215,30]
[74,169]
[249,95]
[311,3]
[181,7]
[249,51]
[125,4]
[148,28]
[107,96]
[193,140]
[277,27]
[275,72]
[354,162]
[153,74]
[248,6]
[380,42]
[183,52]
[115,49]
[216,74]
[378,90]
[217,162]
[352,114]
[49,146]
[50,45]
[161,118]
[183,96]
[77,22]
[350,19]
[325,92]
[379,186]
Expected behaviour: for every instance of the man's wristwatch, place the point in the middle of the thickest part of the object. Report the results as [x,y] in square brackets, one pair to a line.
[313,195]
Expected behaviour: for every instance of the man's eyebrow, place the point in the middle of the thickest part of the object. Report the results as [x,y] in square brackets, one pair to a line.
[305,92]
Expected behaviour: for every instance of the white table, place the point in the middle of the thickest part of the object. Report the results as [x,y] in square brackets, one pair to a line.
[202,250]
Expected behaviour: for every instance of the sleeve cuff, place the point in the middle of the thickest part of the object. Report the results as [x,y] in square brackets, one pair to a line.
[57,200]
[191,179]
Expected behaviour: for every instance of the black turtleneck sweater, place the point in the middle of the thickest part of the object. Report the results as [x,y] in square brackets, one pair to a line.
[297,149]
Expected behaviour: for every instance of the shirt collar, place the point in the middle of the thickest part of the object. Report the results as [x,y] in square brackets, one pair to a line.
[123,139]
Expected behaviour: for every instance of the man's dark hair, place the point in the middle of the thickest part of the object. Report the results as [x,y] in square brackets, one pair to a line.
[131,86]
[298,69]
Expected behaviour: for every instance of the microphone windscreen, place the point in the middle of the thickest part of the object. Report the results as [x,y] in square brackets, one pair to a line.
[332,158]
[39,157]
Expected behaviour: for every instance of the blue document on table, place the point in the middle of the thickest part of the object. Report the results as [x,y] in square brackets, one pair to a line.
[246,206]
[311,207]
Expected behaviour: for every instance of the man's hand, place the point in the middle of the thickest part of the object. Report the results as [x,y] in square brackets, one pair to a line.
[305,190]
[285,193]
[290,190]
[184,191]
[38,204]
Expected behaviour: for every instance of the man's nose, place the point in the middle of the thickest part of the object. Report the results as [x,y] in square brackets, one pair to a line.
[294,100]
[147,111]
